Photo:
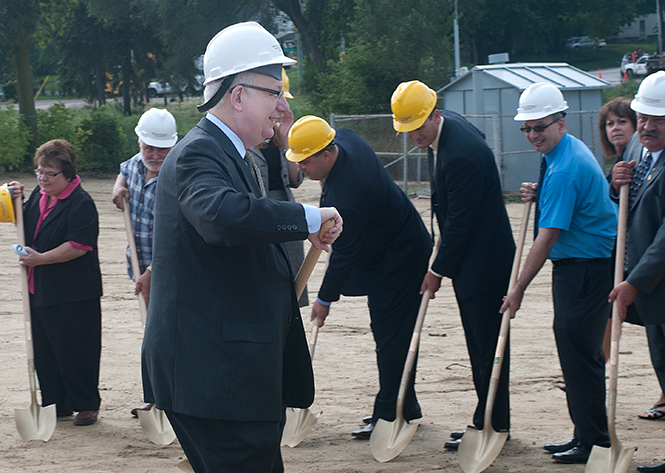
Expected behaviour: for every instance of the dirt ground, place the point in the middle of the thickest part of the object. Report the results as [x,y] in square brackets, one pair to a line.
[345,374]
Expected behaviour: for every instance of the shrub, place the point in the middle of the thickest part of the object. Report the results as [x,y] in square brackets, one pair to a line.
[100,140]
[56,123]
[14,139]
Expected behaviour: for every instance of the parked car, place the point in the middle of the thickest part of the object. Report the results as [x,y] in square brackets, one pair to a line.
[637,68]
[584,42]
[655,63]
[159,89]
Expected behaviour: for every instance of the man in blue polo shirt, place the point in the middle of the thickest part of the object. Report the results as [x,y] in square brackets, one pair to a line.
[576,228]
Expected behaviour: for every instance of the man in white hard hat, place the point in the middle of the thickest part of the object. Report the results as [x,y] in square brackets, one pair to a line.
[643,289]
[576,226]
[383,252]
[476,248]
[224,351]
[136,183]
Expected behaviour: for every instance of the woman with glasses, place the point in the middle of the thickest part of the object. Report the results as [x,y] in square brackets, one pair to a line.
[61,228]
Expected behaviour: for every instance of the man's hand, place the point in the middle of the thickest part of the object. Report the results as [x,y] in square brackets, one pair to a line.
[281,137]
[624,294]
[120,192]
[431,283]
[323,242]
[143,285]
[622,173]
[512,302]
[528,191]
[319,313]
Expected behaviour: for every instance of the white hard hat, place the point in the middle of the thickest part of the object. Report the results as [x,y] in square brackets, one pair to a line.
[540,100]
[241,47]
[157,128]
[650,97]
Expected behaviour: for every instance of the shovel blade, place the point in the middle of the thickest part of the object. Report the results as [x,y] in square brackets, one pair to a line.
[614,459]
[479,448]
[156,426]
[389,439]
[299,423]
[185,466]
[36,422]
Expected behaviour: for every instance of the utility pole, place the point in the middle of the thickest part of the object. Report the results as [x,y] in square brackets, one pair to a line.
[456,30]
[660,28]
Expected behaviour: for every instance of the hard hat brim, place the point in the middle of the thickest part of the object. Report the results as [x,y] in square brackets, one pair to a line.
[413,125]
[644,109]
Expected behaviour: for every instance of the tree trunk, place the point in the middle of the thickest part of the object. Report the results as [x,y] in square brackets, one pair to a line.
[126,80]
[292,8]
[26,100]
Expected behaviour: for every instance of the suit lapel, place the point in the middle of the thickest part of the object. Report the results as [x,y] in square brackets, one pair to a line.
[650,178]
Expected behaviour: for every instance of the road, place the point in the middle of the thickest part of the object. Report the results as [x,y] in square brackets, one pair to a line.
[611,75]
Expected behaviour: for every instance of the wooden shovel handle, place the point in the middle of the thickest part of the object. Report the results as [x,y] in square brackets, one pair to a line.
[310,261]
[25,290]
[133,256]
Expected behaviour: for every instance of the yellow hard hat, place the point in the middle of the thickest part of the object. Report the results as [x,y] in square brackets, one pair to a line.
[286,82]
[411,103]
[308,136]
[6,206]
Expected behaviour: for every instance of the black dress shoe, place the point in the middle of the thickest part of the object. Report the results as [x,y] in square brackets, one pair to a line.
[456,434]
[561,447]
[658,468]
[578,454]
[453,445]
[365,432]
[86,418]
[367,419]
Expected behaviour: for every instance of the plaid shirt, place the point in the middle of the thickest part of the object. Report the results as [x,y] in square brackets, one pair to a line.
[141,209]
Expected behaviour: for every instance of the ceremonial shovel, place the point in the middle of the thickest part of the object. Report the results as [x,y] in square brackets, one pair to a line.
[35,422]
[479,448]
[154,422]
[616,458]
[299,422]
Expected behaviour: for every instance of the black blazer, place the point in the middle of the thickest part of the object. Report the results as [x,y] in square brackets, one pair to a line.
[223,337]
[384,243]
[645,238]
[477,245]
[72,219]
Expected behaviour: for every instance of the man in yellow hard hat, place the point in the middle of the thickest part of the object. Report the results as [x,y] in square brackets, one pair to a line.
[383,252]
[476,249]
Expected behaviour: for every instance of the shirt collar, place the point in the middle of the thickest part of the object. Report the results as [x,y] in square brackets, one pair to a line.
[435,143]
[237,142]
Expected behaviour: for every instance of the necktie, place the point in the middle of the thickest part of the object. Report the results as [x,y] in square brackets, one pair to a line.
[255,172]
[541,178]
[432,186]
[639,175]
[638,179]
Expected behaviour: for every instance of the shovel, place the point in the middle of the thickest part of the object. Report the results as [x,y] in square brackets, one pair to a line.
[299,422]
[479,448]
[35,422]
[616,458]
[389,439]
[154,423]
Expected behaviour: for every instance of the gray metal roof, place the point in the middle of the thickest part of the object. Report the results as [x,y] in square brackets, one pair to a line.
[522,75]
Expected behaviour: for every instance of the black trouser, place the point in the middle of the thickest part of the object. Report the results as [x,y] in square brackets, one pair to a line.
[214,446]
[482,322]
[580,291]
[656,338]
[393,315]
[67,339]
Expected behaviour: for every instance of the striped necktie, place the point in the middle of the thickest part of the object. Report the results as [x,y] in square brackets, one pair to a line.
[432,186]
[255,172]
[638,176]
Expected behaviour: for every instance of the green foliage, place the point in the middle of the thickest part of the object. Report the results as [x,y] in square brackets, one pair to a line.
[627,89]
[56,123]
[100,139]
[13,139]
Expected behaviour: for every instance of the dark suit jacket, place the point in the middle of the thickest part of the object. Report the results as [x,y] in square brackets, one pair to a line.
[385,243]
[223,337]
[477,246]
[72,219]
[645,238]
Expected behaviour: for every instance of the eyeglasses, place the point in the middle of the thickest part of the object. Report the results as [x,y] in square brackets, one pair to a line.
[537,128]
[46,175]
[277,93]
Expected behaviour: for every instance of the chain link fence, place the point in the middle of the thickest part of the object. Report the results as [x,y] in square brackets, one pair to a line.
[515,157]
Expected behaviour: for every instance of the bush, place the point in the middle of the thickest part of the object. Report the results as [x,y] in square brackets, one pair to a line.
[56,123]
[14,139]
[100,140]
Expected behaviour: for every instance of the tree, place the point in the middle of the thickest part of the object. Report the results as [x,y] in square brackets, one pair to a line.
[25,24]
